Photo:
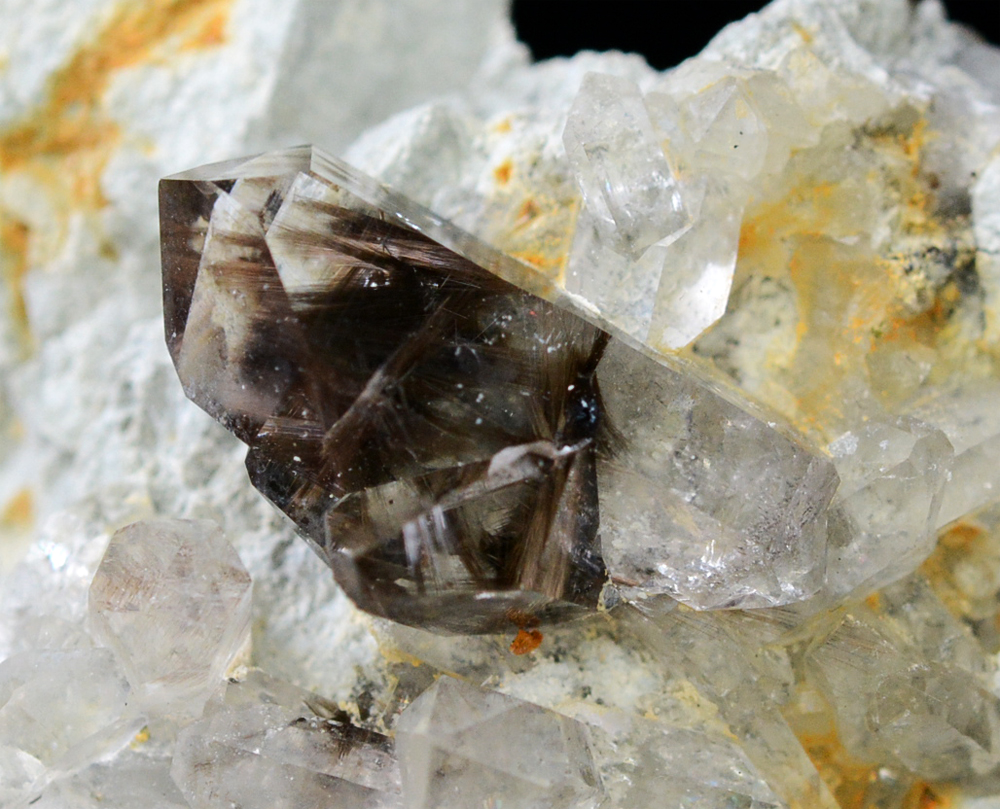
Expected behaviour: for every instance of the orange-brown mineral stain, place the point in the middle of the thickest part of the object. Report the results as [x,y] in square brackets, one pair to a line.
[859,785]
[503,172]
[211,32]
[14,237]
[528,637]
[849,780]
[532,257]
[961,536]
[64,143]
[140,738]
[528,212]
[963,547]
[527,640]
[19,512]
[929,796]
[814,238]
[535,228]
[804,33]
[71,119]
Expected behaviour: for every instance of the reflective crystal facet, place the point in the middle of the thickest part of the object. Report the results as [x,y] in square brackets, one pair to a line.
[935,719]
[892,473]
[716,509]
[172,598]
[628,185]
[442,425]
[461,746]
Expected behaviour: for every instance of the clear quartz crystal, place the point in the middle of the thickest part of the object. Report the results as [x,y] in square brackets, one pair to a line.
[462,746]
[59,711]
[627,184]
[645,762]
[725,132]
[893,474]
[132,780]
[968,416]
[634,207]
[892,704]
[675,516]
[268,743]
[172,599]
[305,304]
[724,659]
[698,267]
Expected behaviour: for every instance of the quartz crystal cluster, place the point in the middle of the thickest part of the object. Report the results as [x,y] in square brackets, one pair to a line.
[650,419]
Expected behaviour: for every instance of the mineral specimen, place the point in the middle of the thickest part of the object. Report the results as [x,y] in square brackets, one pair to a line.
[450,442]
[59,711]
[773,269]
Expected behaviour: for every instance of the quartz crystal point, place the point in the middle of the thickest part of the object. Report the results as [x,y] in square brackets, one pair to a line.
[741,523]
[172,598]
[628,186]
[726,665]
[132,780]
[446,438]
[462,746]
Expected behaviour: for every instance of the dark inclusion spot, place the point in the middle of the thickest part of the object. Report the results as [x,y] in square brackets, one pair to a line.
[432,430]
[338,725]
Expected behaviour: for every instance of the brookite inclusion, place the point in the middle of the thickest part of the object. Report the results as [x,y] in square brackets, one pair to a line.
[464,447]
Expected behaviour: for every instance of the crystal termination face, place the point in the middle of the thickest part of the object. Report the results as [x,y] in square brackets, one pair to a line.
[436,429]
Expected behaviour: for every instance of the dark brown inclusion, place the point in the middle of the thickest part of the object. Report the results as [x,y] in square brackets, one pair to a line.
[430,428]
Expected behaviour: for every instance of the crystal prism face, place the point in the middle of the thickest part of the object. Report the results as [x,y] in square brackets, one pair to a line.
[430,412]
[646,762]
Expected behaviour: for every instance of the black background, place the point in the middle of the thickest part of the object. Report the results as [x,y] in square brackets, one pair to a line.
[563,27]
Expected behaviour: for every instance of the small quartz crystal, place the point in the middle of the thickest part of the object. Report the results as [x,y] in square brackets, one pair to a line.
[172,598]
[59,711]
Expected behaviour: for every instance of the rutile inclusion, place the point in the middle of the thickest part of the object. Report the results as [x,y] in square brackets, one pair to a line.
[466,447]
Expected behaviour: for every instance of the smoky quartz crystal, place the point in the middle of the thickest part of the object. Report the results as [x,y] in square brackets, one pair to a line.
[447,430]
